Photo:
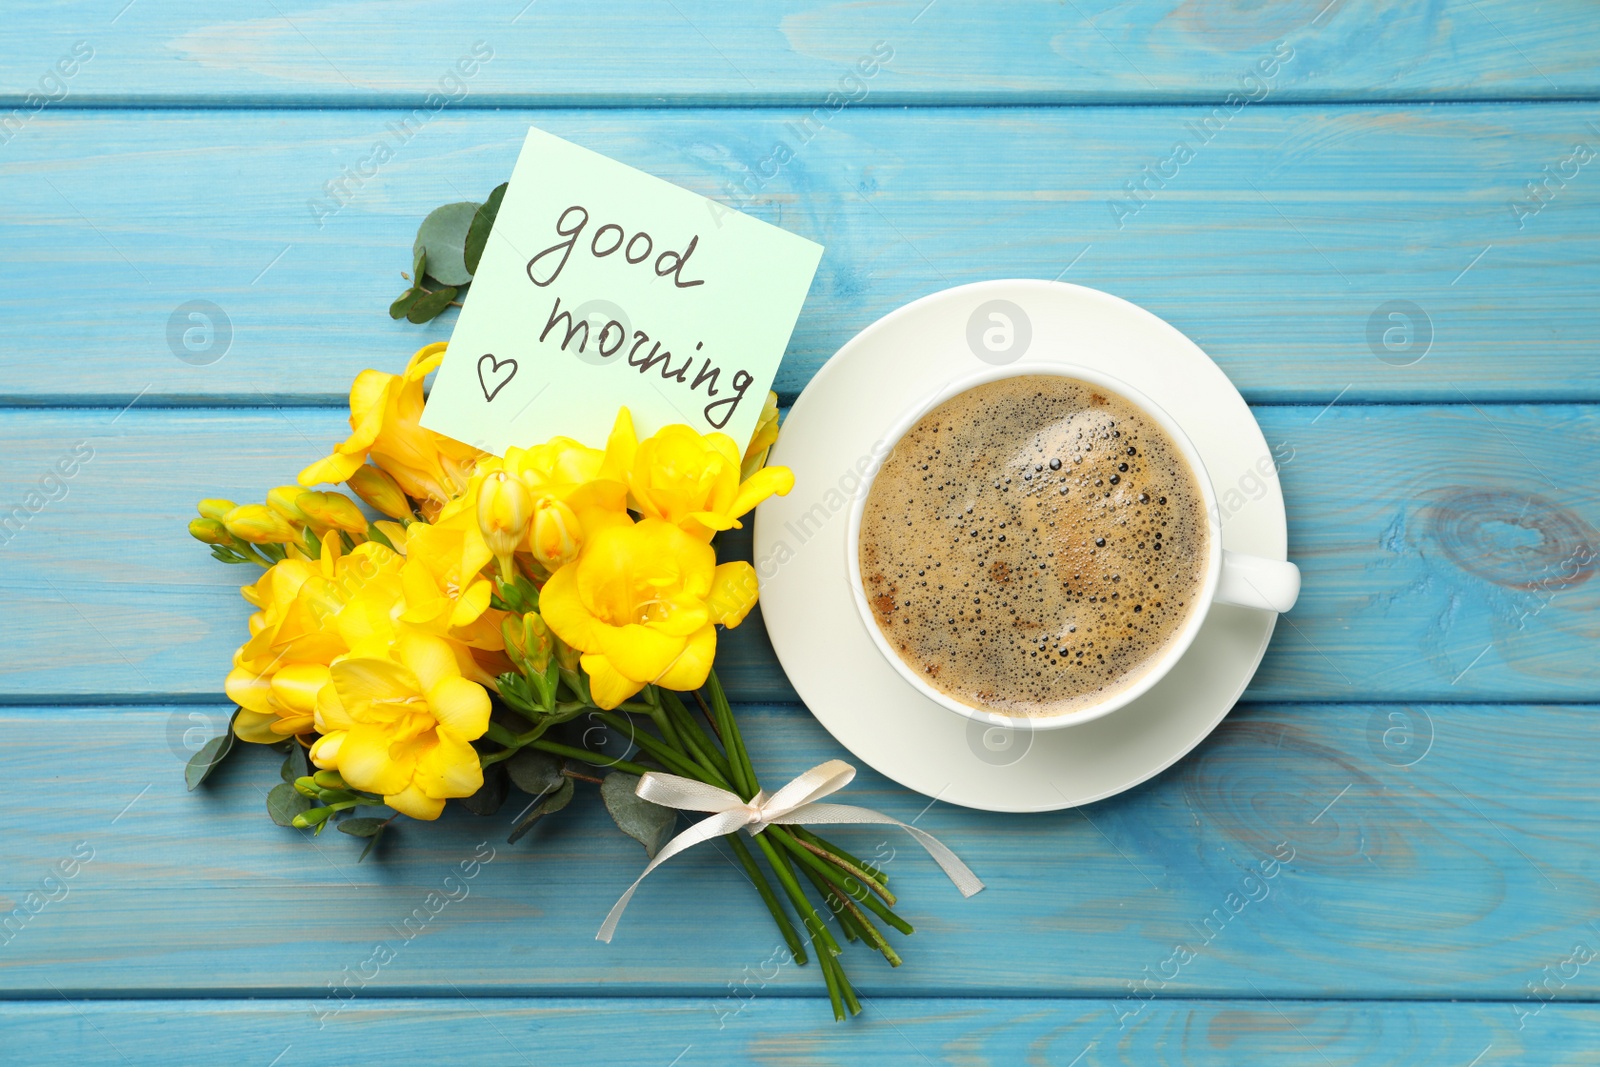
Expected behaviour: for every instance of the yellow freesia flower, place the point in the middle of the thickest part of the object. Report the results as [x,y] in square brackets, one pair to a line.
[761,442]
[569,497]
[249,684]
[689,479]
[446,593]
[642,603]
[385,414]
[260,525]
[311,613]
[401,726]
[380,490]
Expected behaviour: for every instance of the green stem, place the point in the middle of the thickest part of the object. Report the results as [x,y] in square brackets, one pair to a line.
[797,947]
[876,874]
[501,736]
[659,716]
[671,759]
[831,973]
[864,925]
[694,738]
[738,755]
[843,864]
[583,755]
[808,912]
[835,901]
[804,855]
[255,556]
[705,709]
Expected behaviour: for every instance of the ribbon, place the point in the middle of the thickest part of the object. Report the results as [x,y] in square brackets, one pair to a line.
[795,803]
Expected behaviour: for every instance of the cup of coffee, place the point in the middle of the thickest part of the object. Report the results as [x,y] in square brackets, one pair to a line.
[1041,544]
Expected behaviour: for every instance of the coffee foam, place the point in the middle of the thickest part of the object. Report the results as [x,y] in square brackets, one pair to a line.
[1033,545]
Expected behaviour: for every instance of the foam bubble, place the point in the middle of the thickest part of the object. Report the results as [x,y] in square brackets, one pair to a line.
[1033,545]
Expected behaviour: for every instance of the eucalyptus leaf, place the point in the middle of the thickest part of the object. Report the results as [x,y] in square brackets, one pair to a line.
[297,764]
[559,798]
[363,827]
[405,302]
[430,305]
[442,237]
[372,843]
[535,773]
[285,802]
[647,823]
[487,800]
[482,224]
[213,752]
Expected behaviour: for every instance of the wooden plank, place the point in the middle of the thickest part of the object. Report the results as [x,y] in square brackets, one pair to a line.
[1447,551]
[1461,870]
[774,1030]
[1280,246]
[566,52]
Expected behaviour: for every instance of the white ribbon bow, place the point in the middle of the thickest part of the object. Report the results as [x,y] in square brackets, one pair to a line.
[794,803]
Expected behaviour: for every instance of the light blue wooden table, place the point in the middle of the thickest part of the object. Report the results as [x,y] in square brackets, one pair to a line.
[1422,733]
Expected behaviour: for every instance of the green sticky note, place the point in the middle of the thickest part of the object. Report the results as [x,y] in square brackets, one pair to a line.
[603,287]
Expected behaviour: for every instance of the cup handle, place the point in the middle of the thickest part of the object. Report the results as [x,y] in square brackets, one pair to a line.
[1257,582]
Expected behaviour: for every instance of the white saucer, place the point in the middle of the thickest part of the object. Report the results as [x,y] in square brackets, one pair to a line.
[808,605]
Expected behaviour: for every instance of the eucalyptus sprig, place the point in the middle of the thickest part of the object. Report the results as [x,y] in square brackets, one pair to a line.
[445,256]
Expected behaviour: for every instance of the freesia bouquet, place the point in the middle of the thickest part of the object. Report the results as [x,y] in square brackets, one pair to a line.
[436,652]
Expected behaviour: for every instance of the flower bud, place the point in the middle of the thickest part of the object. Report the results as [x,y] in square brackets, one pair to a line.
[259,525]
[306,786]
[325,749]
[393,531]
[331,511]
[282,500]
[215,508]
[329,780]
[529,642]
[504,504]
[557,534]
[209,532]
[379,489]
[567,656]
[312,817]
[761,442]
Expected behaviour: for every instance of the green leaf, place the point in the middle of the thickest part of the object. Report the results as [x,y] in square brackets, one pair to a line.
[419,265]
[478,232]
[295,763]
[555,801]
[647,823]
[213,752]
[363,827]
[375,534]
[442,237]
[487,800]
[284,803]
[405,302]
[430,305]
[535,773]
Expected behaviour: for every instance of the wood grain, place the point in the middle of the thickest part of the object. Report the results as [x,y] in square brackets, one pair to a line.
[1416,739]
[1447,551]
[1278,247]
[775,1031]
[567,52]
[1447,851]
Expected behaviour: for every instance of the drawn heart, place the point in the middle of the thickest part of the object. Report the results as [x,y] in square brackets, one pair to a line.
[493,374]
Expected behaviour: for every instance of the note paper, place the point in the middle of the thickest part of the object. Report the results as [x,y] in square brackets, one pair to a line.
[602,286]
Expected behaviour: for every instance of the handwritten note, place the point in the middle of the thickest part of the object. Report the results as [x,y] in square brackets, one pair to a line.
[603,286]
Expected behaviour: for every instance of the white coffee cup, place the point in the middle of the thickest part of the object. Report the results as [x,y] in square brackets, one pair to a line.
[1229,577]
